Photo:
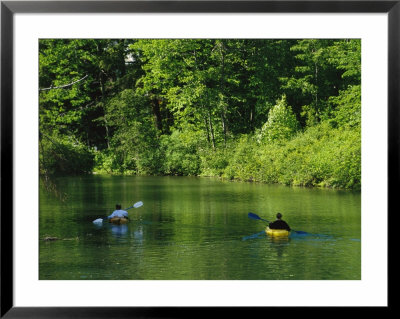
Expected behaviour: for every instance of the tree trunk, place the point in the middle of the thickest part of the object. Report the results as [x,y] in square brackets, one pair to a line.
[207,130]
[211,129]
[103,100]
[223,122]
[155,105]
[222,103]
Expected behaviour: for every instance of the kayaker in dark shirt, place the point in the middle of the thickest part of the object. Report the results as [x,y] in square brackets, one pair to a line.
[279,223]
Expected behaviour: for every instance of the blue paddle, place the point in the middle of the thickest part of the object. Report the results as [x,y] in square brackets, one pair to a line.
[255,216]
[100,220]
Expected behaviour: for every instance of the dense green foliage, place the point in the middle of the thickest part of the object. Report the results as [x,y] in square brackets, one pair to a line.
[276,111]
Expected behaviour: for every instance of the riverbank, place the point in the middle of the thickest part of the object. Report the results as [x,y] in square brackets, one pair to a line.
[320,157]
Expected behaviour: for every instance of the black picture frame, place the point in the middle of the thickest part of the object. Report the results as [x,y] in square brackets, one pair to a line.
[9,8]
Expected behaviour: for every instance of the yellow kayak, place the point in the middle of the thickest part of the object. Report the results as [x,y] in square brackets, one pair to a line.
[277,232]
[119,220]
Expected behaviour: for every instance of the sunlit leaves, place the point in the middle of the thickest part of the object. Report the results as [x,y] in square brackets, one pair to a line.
[282,123]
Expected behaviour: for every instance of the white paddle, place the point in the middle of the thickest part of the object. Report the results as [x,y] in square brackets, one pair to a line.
[136,205]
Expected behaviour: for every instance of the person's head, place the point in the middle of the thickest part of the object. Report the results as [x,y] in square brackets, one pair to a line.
[118,206]
[279,215]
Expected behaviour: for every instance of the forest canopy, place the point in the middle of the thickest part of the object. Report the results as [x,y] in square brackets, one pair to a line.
[275,111]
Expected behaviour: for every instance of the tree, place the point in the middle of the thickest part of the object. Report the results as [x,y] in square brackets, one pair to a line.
[313,81]
[282,123]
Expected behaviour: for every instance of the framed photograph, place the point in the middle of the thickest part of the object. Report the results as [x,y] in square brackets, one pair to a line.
[161,158]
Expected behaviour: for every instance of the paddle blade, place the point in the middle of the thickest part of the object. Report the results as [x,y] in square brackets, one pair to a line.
[138,204]
[98,221]
[258,235]
[300,232]
[253,216]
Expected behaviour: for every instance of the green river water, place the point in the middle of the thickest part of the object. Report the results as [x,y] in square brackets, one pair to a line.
[196,229]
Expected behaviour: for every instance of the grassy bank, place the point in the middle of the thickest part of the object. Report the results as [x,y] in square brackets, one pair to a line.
[319,157]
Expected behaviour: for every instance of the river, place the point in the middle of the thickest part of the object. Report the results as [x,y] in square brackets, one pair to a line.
[192,228]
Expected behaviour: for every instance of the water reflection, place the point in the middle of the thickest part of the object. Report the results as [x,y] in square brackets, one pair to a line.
[127,231]
[279,245]
[274,239]
[138,234]
[119,230]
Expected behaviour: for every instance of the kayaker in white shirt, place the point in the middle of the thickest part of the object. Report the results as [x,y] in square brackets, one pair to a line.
[118,212]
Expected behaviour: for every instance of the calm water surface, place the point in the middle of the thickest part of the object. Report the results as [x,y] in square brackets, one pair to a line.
[197,229]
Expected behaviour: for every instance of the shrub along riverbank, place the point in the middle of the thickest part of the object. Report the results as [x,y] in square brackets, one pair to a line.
[319,157]
[322,156]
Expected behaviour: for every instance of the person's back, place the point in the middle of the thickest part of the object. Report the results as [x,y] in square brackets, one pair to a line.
[279,223]
[118,212]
